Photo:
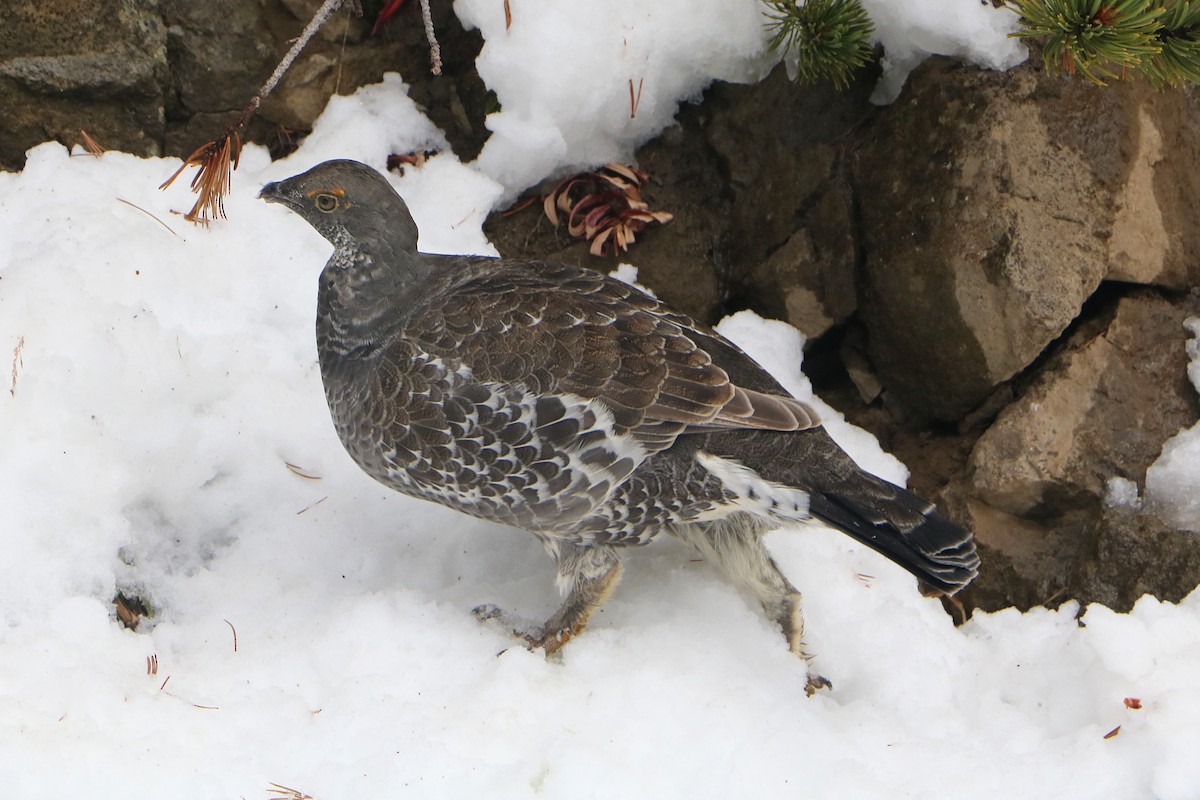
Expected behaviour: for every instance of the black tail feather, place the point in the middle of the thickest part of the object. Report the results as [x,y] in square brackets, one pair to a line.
[936,550]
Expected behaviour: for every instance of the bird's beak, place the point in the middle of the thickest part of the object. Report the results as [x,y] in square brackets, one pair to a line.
[271,193]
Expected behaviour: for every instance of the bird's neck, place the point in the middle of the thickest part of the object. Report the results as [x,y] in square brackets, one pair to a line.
[366,296]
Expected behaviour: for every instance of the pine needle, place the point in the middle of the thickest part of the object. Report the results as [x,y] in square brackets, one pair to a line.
[148,214]
[91,145]
[1178,62]
[17,363]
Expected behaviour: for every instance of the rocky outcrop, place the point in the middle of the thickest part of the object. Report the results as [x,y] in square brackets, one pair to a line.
[1101,409]
[99,67]
[1038,485]
[221,52]
[164,76]
[993,206]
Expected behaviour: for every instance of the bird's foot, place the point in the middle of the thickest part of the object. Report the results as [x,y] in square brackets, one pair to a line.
[521,628]
[534,636]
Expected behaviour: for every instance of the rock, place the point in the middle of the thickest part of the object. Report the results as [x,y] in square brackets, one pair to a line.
[66,66]
[1100,409]
[220,53]
[816,288]
[1154,236]
[985,210]
[1037,486]
[1112,556]
[993,205]
[223,51]
[1133,554]
[1026,563]
[790,250]
[164,76]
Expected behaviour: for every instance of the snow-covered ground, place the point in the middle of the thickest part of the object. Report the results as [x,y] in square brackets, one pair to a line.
[312,629]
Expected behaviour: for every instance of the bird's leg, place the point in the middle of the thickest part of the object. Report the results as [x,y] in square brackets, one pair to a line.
[734,545]
[588,576]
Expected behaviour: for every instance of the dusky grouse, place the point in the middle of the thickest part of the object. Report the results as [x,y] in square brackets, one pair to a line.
[563,401]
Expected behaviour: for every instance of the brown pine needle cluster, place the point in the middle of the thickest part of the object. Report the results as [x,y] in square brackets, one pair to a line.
[216,162]
[91,145]
[604,206]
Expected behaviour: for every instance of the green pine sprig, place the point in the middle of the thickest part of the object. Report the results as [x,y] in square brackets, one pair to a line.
[831,38]
[1178,61]
[1099,39]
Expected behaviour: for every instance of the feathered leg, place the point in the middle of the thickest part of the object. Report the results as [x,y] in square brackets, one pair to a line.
[587,575]
[734,545]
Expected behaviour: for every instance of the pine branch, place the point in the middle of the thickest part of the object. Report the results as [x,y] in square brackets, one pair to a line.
[218,159]
[1178,62]
[831,38]
[1099,40]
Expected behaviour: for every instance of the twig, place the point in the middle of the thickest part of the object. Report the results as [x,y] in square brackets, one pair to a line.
[507,15]
[230,624]
[435,49]
[217,159]
[634,102]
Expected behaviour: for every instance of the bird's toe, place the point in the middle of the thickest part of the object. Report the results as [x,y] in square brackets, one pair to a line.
[815,683]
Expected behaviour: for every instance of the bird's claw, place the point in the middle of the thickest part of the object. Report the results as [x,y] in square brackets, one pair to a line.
[815,683]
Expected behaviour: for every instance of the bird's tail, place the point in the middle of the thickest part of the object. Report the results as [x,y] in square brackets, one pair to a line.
[906,529]
[885,517]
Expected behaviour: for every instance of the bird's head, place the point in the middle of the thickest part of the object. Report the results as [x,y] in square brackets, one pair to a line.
[350,204]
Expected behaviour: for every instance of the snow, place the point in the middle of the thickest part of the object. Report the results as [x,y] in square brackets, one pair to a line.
[912,30]
[586,58]
[1120,492]
[312,629]
[1173,481]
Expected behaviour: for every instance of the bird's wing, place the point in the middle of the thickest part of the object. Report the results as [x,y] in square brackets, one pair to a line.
[554,328]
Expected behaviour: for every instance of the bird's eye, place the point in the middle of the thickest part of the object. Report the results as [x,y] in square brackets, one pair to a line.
[326,202]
